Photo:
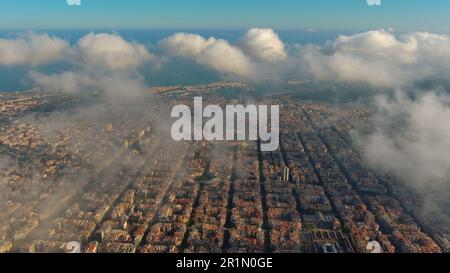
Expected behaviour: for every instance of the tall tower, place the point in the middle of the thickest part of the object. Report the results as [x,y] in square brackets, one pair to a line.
[285,175]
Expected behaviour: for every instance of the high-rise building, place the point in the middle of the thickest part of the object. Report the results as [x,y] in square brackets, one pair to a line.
[285,175]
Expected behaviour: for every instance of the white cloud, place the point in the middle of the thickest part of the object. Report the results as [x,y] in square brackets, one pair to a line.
[215,53]
[67,81]
[111,51]
[380,58]
[186,45]
[226,58]
[410,140]
[263,44]
[113,85]
[32,49]
[376,57]
[104,63]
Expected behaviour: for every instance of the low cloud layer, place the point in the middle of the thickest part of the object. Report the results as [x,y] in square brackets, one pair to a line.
[32,49]
[380,58]
[215,53]
[410,140]
[114,86]
[111,51]
[263,44]
[103,63]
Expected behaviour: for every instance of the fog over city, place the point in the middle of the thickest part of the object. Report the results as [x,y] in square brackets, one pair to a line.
[107,63]
[110,78]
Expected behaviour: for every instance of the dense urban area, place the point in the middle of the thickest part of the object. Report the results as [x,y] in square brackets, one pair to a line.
[126,187]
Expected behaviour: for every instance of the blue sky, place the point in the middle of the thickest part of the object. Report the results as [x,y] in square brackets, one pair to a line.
[226,14]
